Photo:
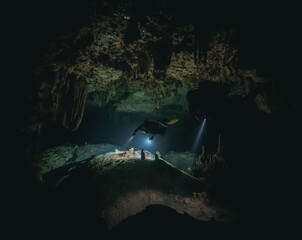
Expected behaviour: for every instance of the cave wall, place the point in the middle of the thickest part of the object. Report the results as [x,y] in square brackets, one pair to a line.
[63,53]
[157,50]
[149,58]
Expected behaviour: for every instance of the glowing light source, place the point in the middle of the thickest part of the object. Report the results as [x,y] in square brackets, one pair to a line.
[201,130]
[149,141]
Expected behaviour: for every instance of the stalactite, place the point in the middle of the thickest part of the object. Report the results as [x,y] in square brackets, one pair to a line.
[199,49]
[196,40]
[197,44]
[76,99]
[219,148]
[57,93]
[201,41]
[37,164]
[152,64]
[68,100]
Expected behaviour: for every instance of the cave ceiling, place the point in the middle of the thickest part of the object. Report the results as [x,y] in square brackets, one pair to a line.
[143,57]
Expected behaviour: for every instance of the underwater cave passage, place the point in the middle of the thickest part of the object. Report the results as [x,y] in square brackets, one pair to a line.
[130,112]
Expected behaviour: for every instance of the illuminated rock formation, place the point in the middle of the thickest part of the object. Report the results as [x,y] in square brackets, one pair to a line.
[123,57]
[124,185]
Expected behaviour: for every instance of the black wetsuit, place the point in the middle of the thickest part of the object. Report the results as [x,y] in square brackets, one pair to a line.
[152,128]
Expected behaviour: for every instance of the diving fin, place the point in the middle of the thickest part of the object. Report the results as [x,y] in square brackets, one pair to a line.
[172,121]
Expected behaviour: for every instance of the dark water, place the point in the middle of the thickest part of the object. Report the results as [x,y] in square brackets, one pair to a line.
[105,126]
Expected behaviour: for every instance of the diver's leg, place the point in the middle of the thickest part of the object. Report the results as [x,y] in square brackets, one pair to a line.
[151,138]
[135,131]
[139,128]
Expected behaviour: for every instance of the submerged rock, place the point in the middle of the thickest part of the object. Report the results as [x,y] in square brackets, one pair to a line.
[121,185]
[182,160]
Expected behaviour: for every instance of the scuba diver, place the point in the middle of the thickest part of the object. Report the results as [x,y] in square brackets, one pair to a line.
[153,128]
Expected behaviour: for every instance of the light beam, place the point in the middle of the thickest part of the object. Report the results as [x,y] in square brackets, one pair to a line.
[201,130]
[128,141]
